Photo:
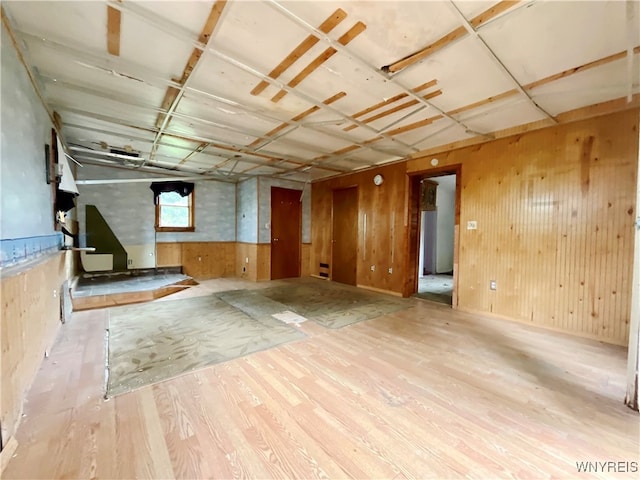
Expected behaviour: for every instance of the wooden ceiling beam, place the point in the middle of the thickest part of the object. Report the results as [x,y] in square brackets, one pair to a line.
[172,94]
[357,60]
[114,18]
[401,107]
[497,62]
[389,101]
[450,37]
[492,12]
[329,24]
[213,143]
[546,80]
[193,153]
[413,126]
[485,101]
[582,113]
[581,68]
[347,37]
[297,118]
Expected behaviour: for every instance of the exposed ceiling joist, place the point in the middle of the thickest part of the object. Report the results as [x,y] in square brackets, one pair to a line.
[303,47]
[212,142]
[178,32]
[347,37]
[449,38]
[173,96]
[341,48]
[395,98]
[471,30]
[185,83]
[113,30]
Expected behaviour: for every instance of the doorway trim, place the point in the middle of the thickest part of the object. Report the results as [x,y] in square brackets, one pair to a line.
[413,232]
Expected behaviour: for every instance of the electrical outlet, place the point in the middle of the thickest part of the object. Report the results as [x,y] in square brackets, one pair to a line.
[373,268]
[472,225]
[493,285]
[129,261]
[390,269]
[199,259]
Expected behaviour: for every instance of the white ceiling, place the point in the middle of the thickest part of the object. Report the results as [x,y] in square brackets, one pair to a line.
[110,99]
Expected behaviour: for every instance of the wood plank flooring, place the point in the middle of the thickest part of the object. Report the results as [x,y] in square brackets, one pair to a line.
[424,393]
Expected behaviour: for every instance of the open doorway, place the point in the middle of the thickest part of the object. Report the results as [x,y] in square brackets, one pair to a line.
[436,238]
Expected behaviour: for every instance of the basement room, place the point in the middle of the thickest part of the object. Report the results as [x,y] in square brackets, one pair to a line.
[319,239]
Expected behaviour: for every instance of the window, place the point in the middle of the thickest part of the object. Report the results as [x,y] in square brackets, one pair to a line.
[175,213]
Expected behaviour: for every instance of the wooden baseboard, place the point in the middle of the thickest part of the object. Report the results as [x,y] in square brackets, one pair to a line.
[497,316]
[380,290]
[7,453]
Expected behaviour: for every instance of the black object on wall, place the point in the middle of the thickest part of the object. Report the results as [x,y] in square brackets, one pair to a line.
[100,236]
[183,188]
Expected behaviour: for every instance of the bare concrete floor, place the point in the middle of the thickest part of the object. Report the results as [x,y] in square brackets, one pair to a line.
[437,288]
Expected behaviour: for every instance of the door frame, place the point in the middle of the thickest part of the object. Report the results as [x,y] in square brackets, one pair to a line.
[414,227]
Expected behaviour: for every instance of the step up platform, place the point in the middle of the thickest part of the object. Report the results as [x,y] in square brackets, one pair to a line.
[110,289]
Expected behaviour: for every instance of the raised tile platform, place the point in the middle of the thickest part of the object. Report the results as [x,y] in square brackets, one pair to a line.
[122,288]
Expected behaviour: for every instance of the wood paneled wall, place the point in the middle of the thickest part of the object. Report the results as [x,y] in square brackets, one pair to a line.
[555,214]
[200,260]
[203,260]
[382,220]
[258,266]
[305,259]
[168,254]
[29,321]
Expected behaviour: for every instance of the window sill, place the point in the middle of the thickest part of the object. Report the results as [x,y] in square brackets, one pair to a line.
[175,229]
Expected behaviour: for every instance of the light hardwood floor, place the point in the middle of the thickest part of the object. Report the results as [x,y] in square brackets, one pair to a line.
[424,393]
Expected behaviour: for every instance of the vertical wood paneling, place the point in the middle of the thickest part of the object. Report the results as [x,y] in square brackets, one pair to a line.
[305,266]
[555,211]
[29,320]
[246,261]
[258,266]
[263,262]
[382,242]
[209,259]
[168,254]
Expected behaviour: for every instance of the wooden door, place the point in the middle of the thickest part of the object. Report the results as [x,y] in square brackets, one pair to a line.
[286,214]
[344,256]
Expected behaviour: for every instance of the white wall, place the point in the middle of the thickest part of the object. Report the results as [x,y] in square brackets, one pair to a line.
[25,203]
[446,205]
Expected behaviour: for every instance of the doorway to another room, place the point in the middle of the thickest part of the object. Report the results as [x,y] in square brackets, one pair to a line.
[436,238]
